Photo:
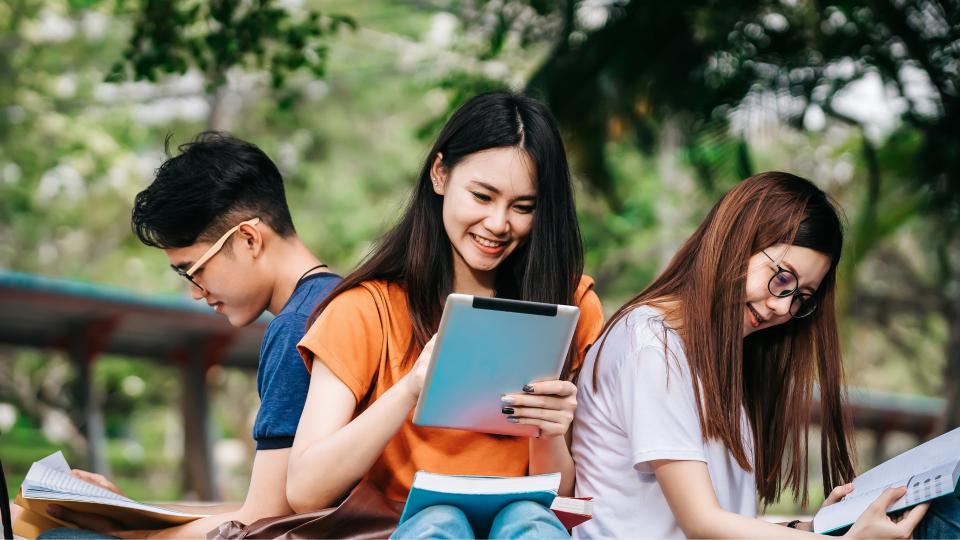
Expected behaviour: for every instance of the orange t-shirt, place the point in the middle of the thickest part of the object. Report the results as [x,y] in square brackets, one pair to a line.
[362,336]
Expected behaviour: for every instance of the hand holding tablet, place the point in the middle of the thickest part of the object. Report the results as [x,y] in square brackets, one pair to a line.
[489,348]
[416,377]
[547,405]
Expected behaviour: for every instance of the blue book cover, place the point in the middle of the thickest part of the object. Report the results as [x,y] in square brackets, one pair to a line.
[479,497]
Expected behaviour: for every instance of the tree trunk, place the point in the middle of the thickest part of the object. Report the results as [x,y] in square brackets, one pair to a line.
[951,370]
[676,182]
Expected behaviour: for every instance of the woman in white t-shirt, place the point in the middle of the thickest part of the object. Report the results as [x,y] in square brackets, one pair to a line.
[744,317]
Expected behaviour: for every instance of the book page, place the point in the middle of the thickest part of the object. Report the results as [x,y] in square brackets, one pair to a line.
[49,479]
[569,504]
[847,511]
[55,461]
[930,484]
[928,471]
[486,484]
[921,487]
[42,479]
[936,451]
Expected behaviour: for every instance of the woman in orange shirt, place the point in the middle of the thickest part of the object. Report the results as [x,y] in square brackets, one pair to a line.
[491,215]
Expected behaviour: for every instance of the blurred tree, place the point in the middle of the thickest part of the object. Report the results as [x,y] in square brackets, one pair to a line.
[81,132]
[72,140]
[213,37]
[78,145]
[644,67]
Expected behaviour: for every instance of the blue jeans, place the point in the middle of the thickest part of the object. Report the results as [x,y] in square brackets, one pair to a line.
[942,520]
[521,519]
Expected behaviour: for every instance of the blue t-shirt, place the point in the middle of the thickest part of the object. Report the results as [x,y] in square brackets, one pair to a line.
[282,379]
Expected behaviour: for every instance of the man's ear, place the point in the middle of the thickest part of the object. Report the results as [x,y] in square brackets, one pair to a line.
[438,175]
[250,238]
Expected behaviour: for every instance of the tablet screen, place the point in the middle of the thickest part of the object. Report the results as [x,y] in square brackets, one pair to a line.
[487,347]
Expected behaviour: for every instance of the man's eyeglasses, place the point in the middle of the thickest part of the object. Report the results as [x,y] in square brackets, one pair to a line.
[214,249]
[785,283]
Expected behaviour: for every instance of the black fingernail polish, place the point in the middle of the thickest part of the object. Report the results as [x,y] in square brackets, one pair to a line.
[528,388]
[507,410]
[513,419]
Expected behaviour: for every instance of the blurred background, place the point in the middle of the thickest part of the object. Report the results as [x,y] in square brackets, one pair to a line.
[663,105]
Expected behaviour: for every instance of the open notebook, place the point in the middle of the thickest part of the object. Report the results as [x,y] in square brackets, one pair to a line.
[49,482]
[929,471]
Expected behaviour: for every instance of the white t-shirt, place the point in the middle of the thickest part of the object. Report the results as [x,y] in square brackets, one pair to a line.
[644,410]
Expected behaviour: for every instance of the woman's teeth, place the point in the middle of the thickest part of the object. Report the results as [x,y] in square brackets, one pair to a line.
[487,243]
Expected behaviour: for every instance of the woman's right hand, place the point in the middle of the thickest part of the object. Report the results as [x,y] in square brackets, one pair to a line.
[875,523]
[413,381]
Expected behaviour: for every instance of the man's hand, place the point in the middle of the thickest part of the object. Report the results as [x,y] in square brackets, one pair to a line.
[98,480]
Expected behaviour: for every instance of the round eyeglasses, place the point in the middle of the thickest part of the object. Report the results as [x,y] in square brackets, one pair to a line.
[785,283]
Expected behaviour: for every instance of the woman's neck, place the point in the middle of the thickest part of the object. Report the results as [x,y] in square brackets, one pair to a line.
[470,285]
[466,280]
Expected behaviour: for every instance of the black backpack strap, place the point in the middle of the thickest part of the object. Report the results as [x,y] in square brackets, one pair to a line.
[5,506]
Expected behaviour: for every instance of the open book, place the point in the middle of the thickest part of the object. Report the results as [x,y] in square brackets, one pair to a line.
[49,482]
[481,497]
[928,471]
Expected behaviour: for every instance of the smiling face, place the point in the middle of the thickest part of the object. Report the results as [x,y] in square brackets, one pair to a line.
[489,201]
[231,281]
[761,308]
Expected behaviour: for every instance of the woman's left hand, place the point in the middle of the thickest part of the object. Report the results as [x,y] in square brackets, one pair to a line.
[548,405]
[838,494]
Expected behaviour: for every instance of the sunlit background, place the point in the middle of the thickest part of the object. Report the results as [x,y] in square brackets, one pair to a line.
[663,105]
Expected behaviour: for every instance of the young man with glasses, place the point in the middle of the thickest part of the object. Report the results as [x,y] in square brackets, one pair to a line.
[219,212]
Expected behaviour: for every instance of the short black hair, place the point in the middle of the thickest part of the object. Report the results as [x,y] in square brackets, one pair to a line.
[214,183]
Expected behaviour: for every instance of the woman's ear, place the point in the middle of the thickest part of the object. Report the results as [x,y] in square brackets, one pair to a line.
[438,175]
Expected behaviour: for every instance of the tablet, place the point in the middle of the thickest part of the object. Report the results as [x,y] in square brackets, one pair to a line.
[487,347]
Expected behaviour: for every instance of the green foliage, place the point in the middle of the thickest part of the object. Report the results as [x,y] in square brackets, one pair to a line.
[693,62]
[717,158]
[460,87]
[172,36]
[644,98]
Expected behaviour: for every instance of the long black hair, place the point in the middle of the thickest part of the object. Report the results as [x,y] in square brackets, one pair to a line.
[416,253]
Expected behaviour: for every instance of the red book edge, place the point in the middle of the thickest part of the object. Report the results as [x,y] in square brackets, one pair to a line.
[571,519]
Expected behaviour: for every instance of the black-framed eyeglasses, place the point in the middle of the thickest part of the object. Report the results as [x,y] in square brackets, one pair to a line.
[214,249]
[183,273]
[785,283]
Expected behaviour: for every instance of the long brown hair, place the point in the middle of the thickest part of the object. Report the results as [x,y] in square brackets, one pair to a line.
[417,254]
[772,372]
